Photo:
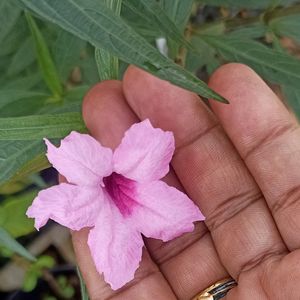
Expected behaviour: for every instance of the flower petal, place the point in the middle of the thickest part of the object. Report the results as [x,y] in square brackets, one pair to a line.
[144,153]
[69,205]
[164,212]
[81,159]
[115,246]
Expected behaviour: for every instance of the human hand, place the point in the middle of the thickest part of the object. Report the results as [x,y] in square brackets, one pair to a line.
[240,164]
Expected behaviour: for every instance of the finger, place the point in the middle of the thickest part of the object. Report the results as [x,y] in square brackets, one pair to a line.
[268,139]
[107,117]
[210,170]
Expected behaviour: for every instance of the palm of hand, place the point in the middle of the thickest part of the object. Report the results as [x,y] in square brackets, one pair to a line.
[244,175]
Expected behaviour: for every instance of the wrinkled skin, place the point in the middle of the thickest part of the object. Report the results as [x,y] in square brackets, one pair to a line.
[240,163]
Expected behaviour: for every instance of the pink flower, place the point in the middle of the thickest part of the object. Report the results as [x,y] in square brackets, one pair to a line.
[119,194]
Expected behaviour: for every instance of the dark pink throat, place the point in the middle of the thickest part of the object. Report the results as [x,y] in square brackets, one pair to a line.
[122,192]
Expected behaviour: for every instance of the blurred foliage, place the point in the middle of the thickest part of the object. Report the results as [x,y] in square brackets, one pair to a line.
[12,214]
[35,271]
[48,60]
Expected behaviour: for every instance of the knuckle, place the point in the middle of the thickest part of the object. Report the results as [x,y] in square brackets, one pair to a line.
[231,206]
[290,199]
[271,135]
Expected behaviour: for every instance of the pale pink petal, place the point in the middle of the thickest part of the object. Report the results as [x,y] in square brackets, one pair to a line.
[69,205]
[164,212]
[144,153]
[116,247]
[81,159]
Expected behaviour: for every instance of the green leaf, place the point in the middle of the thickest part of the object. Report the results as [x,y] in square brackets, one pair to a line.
[156,16]
[44,261]
[256,4]
[179,11]
[83,289]
[287,26]
[9,14]
[30,281]
[14,186]
[140,22]
[24,106]
[20,158]
[7,241]
[292,96]
[22,58]
[35,271]
[104,29]
[253,31]
[24,83]
[271,64]
[206,54]
[39,126]
[107,64]
[47,66]
[10,95]
[10,43]
[154,12]
[66,52]
[14,102]
[12,214]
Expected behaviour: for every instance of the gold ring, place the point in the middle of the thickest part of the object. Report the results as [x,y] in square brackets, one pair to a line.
[217,290]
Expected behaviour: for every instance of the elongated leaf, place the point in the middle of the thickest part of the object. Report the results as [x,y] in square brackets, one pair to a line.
[47,66]
[9,14]
[108,64]
[10,43]
[9,95]
[83,289]
[19,158]
[293,99]
[169,22]
[253,31]
[24,83]
[7,241]
[22,58]
[30,281]
[207,53]
[287,26]
[179,11]
[271,64]
[66,52]
[247,3]
[24,107]
[154,11]
[104,29]
[140,22]
[39,126]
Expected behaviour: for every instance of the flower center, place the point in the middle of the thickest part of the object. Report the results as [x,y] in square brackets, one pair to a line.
[121,191]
